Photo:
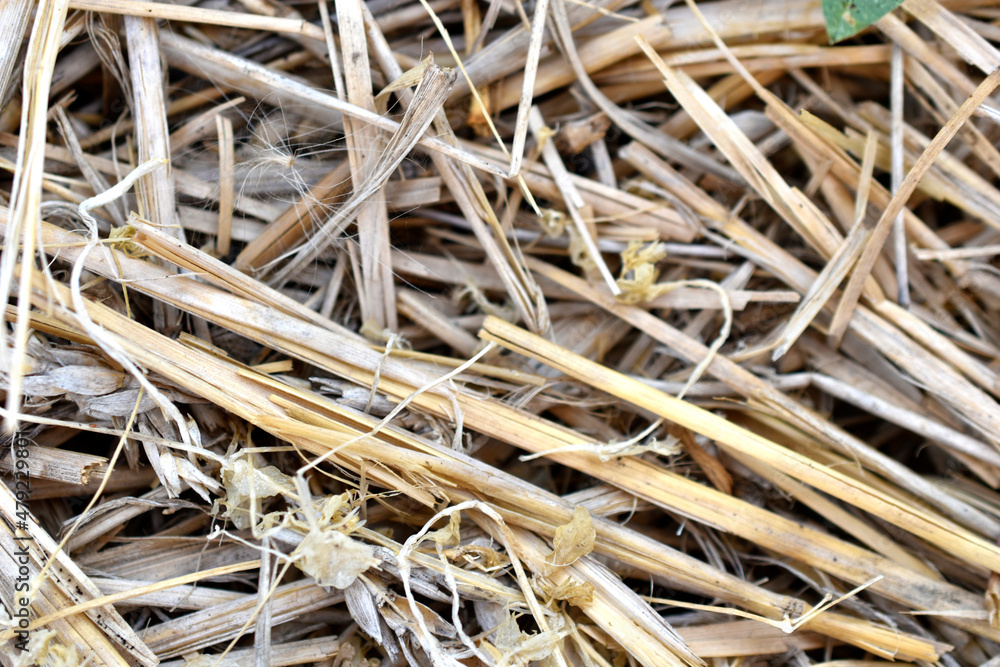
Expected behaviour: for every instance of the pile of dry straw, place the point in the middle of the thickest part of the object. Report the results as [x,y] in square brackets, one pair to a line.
[438,332]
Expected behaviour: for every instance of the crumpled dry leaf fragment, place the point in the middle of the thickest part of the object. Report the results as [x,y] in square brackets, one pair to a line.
[639,260]
[332,558]
[577,593]
[574,539]
[449,535]
[243,480]
[511,646]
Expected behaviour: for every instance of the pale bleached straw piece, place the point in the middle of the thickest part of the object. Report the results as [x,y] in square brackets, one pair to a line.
[898,224]
[153,559]
[156,193]
[287,91]
[26,191]
[365,146]
[570,196]
[227,159]
[123,481]
[524,105]
[305,651]
[100,631]
[59,465]
[111,514]
[188,597]
[14,17]
[186,358]
[231,19]
[223,622]
[427,101]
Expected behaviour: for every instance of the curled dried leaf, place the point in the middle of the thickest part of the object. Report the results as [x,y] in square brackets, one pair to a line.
[333,559]
[244,481]
[574,539]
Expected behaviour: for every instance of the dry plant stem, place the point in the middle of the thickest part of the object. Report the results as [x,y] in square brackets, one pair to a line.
[749,385]
[899,199]
[231,19]
[364,143]
[322,650]
[253,79]
[26,191]
[516,433]
[471,200]
[222,622]
[156,192]
[198,370]
[908,419]
[898,225]
[839,265]
[936,530]
[188,597]
[528,86]
[227,159]
[61,465]
[125,595]
[101,631]
[427,101]
[571,198]
[14,17]
[262,630]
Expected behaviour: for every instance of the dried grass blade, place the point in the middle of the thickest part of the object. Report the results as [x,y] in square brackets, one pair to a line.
[365,145]
[900,198]
[571,198]
[230,19]
[101,631]
[227,159]
[259,81]
[14,16]
[26,191]
[429,96]
[957,540]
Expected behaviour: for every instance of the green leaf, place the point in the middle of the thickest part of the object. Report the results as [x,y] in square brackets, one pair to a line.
[846,18]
